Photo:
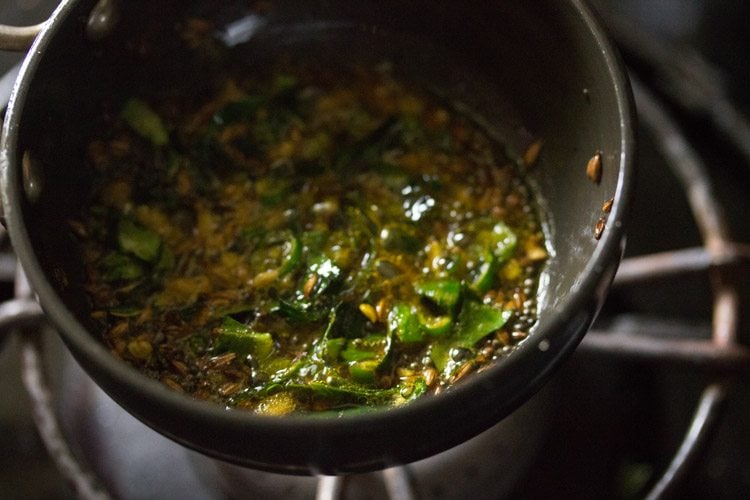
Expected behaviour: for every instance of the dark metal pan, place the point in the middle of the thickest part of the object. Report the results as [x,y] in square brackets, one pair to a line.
[545,67]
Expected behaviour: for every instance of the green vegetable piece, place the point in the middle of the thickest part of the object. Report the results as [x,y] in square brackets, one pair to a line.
[241,339]
[413,391]
[139,241]
[280,250]
[503,242]
[443,292]
[322,349]
[365,371]
[436,326]
[440,355]
[120,267]
[403,322]
[331,349]
[476,321]
[484,277]
[144,121]
[369,347]
[345,392]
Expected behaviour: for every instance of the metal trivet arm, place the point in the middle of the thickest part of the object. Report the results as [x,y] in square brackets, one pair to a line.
[721,258]
[23,315]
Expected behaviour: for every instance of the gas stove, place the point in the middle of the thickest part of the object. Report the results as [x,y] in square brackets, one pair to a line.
[654,403]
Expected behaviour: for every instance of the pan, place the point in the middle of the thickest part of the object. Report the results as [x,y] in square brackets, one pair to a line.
[530,69]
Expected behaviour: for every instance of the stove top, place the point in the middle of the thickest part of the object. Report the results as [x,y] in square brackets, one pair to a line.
[652,403]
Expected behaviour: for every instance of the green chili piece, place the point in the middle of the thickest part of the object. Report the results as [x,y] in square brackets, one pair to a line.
[364,371]
[503,242]
[144,120]
[403,322]
[369,347]
[476,321]
[436,326]
[331,349]
[484,277]
[139,241]
[443,292]
[292,255]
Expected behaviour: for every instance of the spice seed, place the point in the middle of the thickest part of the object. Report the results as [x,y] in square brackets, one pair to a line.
[599,228]
[532,153]
[594,167]
[309,285]
[607,207]
[369,312]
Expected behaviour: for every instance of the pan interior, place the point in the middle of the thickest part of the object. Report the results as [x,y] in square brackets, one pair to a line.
[525,71]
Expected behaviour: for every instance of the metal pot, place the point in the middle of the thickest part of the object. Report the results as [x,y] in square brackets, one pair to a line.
[544,67]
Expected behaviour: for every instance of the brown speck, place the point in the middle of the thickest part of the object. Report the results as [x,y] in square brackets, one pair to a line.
[532,153]
[594,167]
[230,388]
[430,376]
[309,285]
[78,228]
[518,335]
[599,228]
[503,337]
[607,207]
[172,384]
[222,359]
[463,371]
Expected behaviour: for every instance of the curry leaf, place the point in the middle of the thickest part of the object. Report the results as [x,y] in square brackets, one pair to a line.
[239,338]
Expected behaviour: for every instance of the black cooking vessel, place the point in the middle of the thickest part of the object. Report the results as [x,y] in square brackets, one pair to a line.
[530,69]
